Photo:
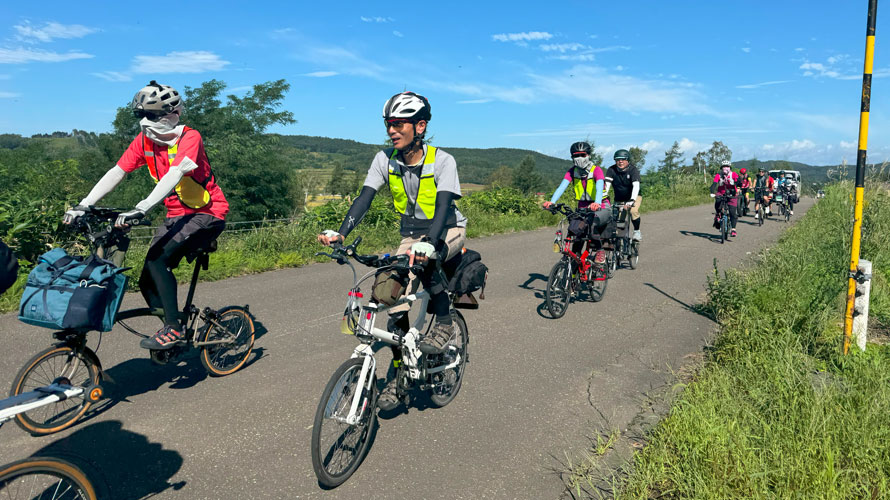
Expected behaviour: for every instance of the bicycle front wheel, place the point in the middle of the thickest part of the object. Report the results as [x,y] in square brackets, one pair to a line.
[450,382]
[235,327]
[44,479]
[760,216]
[73,366]
[338,447]
[634,259]
[559,288]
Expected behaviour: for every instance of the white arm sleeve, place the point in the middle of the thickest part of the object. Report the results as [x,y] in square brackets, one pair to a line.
[635,191]
[606,187]
[164,187]
[108,182]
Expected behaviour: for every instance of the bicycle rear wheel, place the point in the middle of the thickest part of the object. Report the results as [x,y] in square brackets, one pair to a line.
[337,447]
[559,287]
[451,379]
[597,279]
[44,479]
[760,216]
[75,366]
[235,326]
[634,258]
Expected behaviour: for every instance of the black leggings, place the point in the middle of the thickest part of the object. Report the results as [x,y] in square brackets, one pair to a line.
[733,212]
[176,238]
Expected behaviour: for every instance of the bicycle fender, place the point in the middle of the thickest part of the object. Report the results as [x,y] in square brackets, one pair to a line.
[362,350]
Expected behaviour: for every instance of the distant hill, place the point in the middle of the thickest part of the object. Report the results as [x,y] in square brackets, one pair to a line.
[809,174]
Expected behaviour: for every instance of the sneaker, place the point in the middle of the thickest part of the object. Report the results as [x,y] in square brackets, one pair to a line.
[638,236]
[733,233]
[389,396]
[437,339]
[600,257]
[791,212]
[756,216]
[166,338]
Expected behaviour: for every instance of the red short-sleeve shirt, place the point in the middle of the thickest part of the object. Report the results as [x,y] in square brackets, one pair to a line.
[191,146]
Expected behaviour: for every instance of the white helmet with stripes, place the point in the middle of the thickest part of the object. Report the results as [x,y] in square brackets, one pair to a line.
[407,106]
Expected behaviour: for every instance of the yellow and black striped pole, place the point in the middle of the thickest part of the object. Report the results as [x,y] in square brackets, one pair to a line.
[860,171]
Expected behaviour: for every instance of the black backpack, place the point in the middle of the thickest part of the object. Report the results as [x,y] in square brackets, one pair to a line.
[469,275]
[9,266]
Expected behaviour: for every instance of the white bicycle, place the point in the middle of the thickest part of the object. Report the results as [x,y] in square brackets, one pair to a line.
[45,478]
[347,415]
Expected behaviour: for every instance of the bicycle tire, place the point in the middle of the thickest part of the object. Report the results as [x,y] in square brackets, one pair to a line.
[346,378]
[42,370]
[223,359]
[54,479]
[634,259]
[760,216]
[557,295]
[597,281]
[441,399]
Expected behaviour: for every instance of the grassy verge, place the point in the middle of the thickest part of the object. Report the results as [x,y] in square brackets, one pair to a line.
[292,245]
[777,412]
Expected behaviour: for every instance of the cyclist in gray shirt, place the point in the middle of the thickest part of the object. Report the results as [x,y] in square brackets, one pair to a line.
[424,184]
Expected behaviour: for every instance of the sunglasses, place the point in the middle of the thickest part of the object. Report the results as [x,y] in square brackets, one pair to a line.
[579,155]
[141,113]
[396,124]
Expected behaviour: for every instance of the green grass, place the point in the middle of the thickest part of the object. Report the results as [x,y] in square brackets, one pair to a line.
[777,411]
[490,212]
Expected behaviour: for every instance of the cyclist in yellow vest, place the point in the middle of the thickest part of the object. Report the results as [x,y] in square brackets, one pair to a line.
[196,206]
[424,183]
[587,181]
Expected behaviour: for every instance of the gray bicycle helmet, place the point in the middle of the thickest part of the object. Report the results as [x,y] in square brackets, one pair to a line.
[156,99]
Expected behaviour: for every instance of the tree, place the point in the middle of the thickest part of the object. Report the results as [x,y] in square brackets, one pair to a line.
[502,177]
[526,178]
[339,183]
[717,155]
[700,162]
[637,157]
[673,158]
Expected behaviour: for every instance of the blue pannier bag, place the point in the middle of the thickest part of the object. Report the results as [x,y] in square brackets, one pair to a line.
[71,292]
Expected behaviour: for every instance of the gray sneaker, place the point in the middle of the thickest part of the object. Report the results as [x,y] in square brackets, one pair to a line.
[389,396]
[638,236]
[437,339]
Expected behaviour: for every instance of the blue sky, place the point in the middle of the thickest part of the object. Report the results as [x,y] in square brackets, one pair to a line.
[775,80]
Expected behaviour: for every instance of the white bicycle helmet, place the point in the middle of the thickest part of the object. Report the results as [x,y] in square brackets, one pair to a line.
[156,99]
[725,163]
[407,106]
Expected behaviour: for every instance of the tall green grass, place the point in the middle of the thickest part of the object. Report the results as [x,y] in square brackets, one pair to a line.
[776,411]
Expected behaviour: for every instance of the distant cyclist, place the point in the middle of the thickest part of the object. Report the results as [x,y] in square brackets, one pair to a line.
[587,181]
[726,184]
[763,188]
[196,206]
[745,186]
[624,178]
[424,184]
[789,191]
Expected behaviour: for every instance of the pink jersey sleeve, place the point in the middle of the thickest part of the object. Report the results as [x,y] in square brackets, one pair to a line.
[717,178]
[568,176]
[598,174]
[134,156]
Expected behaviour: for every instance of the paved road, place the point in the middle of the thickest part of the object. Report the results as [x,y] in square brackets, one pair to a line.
[534,391]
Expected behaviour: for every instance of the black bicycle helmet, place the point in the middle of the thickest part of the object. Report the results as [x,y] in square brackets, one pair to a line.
[621,154]
[581,147]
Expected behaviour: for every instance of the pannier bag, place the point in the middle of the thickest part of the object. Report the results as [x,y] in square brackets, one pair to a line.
[579,227]
[389,286]
[9,267]
[469,275]
[71,292]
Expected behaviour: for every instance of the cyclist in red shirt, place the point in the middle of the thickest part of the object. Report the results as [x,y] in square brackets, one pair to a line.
[196,206]
[763,188]
[745,186]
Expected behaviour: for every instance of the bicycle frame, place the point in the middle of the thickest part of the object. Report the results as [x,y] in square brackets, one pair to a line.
[10,407]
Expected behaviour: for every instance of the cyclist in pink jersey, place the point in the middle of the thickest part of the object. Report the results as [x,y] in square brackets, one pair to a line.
[726,183]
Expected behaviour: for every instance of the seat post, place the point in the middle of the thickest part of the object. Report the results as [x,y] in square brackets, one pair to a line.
[194,282]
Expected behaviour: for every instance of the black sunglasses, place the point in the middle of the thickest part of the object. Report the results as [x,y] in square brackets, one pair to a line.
[395,123]
[141,113]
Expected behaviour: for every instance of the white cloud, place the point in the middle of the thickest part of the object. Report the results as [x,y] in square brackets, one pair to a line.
[321,74]
[398,34]
[563,47]
[21,55]
[8,95]
[574,57]
[523,37]
[27,32]
[796,145]
[651,145]
[768,147]
[376,19]
[746,50]
[848,145]
[475,101]
[343,61]
[243,88]
[113,76]
[816,69]
[687,145]
[619,68]
[198,61]
[762,84]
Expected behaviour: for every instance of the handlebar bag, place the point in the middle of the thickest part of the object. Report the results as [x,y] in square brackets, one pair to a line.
[70,292]
[389,286]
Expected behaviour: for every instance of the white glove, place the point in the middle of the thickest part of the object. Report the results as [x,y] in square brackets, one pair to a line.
[424,248]
[72,215]
[132,214]
[330,233]
[713,195]
[629,204]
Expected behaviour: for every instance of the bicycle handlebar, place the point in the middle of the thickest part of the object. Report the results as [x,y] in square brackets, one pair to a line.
[341,254]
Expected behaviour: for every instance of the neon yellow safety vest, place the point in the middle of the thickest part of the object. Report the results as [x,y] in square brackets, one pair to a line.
[190,192]
[425,201]
[582,194]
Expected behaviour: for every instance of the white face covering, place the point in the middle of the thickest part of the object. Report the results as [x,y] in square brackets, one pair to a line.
[165,130]
[582,162]
[725,170]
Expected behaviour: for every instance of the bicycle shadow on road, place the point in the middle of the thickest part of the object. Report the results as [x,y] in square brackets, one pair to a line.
[714,238]
[700,309]
[121,464]
[539,292]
